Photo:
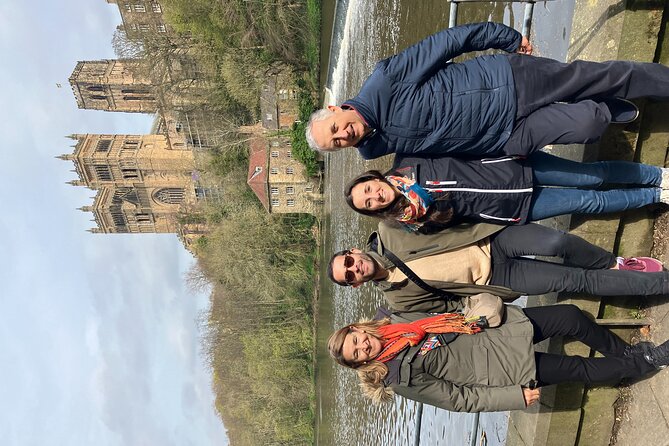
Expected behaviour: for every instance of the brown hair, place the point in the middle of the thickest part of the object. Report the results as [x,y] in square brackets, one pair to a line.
[434,219]
[370,373]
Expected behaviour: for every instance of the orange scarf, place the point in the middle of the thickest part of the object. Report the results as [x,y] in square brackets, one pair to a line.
[400,336]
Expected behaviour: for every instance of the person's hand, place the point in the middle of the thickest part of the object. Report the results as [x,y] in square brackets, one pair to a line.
[525,46]
[531,396]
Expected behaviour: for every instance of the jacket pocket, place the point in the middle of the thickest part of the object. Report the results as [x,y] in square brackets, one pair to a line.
[480,361]
[503,159]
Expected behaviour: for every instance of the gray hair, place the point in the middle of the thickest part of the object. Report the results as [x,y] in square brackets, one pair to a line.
[316,116]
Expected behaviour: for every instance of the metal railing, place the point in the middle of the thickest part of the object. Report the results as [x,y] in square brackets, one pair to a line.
[527,18]
[453,21]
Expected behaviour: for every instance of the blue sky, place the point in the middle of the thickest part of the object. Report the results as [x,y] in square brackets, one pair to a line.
[98,333]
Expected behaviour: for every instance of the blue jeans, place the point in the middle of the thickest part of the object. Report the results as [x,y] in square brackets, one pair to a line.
[568,177]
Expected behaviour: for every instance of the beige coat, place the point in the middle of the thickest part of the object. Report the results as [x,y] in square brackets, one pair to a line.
[406,295]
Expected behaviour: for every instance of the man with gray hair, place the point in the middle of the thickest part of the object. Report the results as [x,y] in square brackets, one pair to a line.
[416,103]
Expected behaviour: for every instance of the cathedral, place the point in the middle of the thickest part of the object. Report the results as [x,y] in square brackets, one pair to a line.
[141,184]
[149,183]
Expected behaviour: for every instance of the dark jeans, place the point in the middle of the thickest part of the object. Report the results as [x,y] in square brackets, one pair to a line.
[572,185]
[569,320]
[542,83]
[585,267]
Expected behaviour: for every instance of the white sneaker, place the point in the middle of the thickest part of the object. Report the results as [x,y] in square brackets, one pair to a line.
[664,196]
[665,178]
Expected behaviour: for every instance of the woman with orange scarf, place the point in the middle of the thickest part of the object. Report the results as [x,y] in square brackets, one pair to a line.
[449,362]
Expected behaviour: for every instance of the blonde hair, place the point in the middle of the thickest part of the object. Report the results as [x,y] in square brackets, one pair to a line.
[370,373]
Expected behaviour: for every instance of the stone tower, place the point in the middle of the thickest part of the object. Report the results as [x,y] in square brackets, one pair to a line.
[112,85]
[142,185]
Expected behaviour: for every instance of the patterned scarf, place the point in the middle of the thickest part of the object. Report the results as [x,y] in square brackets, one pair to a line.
[419,200]
[400,336]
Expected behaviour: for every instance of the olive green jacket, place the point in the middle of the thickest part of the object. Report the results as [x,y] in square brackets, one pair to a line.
[406,295]
[483,372]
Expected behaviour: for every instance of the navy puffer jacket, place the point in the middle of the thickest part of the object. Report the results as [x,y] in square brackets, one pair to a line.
[418,104]
[493,190]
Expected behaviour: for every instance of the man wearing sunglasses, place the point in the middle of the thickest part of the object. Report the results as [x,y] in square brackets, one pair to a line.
[484,258]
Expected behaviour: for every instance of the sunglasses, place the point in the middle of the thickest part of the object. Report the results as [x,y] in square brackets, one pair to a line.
[349,276]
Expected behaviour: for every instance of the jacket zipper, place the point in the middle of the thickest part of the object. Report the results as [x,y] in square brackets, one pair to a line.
[492,217]
[482,191]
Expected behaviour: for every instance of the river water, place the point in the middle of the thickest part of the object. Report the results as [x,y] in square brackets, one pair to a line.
[365,31]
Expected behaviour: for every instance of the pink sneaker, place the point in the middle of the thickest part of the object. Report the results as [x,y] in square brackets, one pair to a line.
[642,264]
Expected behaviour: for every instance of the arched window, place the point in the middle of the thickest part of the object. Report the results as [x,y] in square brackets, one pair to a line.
[169,195]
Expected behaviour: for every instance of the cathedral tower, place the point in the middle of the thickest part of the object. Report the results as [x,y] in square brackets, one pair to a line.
[112,85]
[142,185]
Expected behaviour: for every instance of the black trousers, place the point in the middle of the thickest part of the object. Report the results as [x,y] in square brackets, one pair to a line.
[542,83]
[585,268]
[569,320]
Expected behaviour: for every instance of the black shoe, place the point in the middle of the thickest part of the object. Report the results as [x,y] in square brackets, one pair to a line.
[658,356]
[640,348]
[622,110]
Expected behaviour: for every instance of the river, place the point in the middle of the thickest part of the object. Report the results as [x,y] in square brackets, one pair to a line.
[363,33]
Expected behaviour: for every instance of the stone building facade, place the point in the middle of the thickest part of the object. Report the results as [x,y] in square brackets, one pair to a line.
[279,180]
[142,184]
[141,17]
[278,101]
[113,85]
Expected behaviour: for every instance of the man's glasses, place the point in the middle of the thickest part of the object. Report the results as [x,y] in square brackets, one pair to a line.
[349,276]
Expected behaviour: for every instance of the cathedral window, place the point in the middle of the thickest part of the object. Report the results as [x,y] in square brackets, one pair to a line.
[130,174]
[103,145]
[135,91]
[170,195]
[103,173]
[143,218]
[118,218]
[130,144]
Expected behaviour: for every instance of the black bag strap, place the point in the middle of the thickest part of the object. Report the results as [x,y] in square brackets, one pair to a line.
[414,277]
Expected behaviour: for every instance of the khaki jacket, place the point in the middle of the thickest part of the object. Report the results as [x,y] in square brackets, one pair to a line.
[473,373]
[406,295]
